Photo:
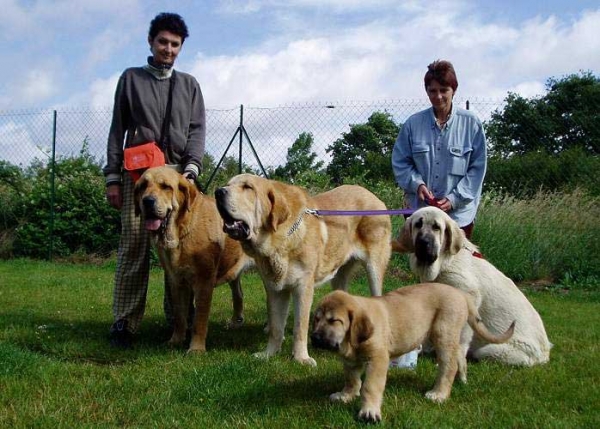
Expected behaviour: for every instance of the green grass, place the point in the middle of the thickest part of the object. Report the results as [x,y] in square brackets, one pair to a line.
[57,370]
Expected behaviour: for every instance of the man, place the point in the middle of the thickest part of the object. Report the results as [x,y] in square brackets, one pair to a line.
[140,115]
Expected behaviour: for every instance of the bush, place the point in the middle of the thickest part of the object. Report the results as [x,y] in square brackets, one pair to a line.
[526,174]
[82,221]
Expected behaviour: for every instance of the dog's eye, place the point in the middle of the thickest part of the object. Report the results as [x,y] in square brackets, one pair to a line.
[164,187]
[332,321]
[436,227]
[246,186]
[419,223]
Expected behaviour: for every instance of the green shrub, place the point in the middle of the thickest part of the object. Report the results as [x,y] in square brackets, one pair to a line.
[82,220]
[526,174]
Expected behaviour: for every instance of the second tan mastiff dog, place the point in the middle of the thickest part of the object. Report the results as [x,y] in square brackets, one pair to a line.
[295,250]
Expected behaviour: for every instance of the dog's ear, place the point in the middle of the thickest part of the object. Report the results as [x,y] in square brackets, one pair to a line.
[279,209]
[189,193]
[361,328]
[137,192]
[455,237]
[404,242]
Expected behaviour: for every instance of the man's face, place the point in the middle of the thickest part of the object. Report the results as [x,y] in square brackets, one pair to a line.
[440,96]
[165,47]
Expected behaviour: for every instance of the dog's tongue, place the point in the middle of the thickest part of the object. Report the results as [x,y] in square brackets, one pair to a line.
[152,224]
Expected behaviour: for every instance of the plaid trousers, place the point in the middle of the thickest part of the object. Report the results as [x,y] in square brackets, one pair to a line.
[133,266]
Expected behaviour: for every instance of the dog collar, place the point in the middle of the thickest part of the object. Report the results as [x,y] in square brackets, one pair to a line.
[474,253]
[296,224]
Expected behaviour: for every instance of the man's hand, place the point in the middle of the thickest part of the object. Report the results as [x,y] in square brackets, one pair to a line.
[190,176]
[114,196]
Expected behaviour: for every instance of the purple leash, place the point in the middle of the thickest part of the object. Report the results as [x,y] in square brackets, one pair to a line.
[360,212]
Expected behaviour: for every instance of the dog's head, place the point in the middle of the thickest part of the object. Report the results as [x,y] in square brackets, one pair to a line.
[339,324]
[160,195]
[250,204]
[427,233]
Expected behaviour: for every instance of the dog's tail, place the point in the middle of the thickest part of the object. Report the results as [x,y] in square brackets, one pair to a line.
[477,325]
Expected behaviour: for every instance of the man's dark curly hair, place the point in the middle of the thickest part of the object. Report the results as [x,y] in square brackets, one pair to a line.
[170,22]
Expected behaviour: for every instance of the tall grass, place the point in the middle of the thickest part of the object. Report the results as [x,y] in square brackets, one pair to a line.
[57,370]
[552,236]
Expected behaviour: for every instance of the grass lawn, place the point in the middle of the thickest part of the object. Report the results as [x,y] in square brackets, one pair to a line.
[57,370]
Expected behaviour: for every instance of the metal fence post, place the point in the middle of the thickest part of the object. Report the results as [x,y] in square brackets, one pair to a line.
[52,189]
[241,127]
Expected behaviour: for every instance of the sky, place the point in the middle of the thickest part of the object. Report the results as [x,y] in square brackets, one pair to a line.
[268,53]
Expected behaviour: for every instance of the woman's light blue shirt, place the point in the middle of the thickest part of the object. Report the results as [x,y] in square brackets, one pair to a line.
[450,161]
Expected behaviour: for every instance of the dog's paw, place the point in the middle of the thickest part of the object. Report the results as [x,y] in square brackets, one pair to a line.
[175,341]
[341,397]
[235,323]
[370,415]
[262,355]
[307,361]
[434,396]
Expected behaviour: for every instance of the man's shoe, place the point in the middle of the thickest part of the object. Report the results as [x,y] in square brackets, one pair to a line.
[120,337]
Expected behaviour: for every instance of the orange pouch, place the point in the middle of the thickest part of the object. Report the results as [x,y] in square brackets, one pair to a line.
[137,159]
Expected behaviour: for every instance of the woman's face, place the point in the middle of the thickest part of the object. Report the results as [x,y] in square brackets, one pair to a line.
[440,96]
[165,47]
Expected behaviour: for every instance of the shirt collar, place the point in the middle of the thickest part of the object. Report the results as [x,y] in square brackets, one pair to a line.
[448,122]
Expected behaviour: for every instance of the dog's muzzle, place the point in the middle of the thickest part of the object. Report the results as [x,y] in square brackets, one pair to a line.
[319,342]
[235,228]
[425,250]
[152,221]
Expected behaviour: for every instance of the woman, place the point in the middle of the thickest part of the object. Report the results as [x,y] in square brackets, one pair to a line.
[440,155]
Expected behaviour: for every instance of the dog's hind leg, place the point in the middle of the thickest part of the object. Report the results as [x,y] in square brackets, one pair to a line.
[509,354]
[237,297]
[344,275]
[446,356]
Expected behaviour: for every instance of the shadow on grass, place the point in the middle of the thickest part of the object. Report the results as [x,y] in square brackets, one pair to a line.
[88,340]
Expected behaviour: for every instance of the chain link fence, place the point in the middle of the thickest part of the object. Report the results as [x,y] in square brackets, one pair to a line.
[258,137]
[26,136]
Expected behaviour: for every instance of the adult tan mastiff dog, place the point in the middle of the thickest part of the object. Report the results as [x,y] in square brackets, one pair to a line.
[367,332]
[195,253]
[296,251]
[440,252]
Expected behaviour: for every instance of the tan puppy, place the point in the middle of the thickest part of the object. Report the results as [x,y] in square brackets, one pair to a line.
[195,253]
[367,332]
[440,252]
[296,251]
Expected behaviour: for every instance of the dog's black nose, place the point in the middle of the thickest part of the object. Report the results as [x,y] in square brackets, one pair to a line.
[220,193]
[148,203]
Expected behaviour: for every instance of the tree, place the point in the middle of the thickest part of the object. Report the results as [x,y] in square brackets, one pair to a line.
[562,119]
[300,159]
[365,151]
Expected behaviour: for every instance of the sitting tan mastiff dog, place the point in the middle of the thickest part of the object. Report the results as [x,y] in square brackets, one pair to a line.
[295,250]
[440,252]
[367,332]
[193,250]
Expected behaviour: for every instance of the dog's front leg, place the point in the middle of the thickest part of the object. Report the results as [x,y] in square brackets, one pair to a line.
[278,303]
[203,299]
[181,296]
[373,387]
[352,374]
[303,297]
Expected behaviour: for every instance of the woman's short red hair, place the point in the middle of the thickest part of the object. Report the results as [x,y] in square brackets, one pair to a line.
[443,72]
